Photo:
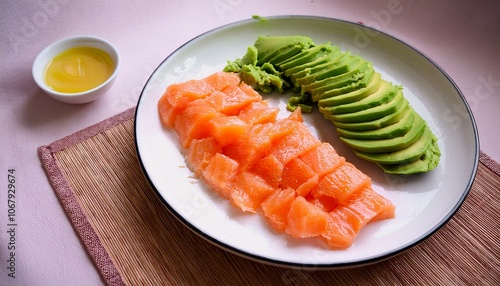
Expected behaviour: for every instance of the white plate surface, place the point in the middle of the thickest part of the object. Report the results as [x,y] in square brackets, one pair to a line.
[424,202]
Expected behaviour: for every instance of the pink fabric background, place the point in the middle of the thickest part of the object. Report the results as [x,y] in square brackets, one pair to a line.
[461,38]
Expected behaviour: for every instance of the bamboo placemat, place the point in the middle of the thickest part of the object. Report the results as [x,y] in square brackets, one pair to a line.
[134,240]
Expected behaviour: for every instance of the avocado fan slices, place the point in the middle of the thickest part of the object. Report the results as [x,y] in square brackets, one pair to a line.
[371,115]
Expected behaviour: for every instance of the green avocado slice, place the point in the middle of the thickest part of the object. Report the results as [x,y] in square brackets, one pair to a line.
[271,47]
[335,66]
[428,161]
[367,114]
[370,115]
[397,129]
[377,123]
[388,145]
[321,58]
[373,86]
[303,70]
[308,56]
[327,80]
[358,81]
[405,155]
[385,94]
[350,66]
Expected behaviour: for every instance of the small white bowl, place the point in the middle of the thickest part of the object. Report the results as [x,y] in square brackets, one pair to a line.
[56,48]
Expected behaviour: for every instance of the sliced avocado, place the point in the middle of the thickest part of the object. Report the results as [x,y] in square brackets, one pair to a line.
[373,86]
[397,129]
[353,64]
[338,65]
[377,123]
[271,47]
[306,56]
[405,155]
[367,114]
[357,81]
[327,79]
[388,145]
[319,60]
[385,94]
[428,161]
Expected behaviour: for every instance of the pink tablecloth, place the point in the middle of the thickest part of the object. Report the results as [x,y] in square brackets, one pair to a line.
[461,38]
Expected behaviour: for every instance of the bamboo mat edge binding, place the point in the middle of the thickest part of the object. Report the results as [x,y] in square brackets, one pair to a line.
[89,234]
[68,200]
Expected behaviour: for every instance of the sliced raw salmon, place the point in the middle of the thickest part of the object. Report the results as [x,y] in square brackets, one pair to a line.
[227,129]
[342,183]
[236,99]
[305,219]
[193,121]
[167,112]
[235,143]
[249,190]
[296,115]
[295,173]
[322,159]
[277,206]
[180,94]
[200,153]
[345,221]
[270,169]
[299,141]
[220,173]
[220,80]
[258,112]
[305,188]
[325,203]
[257,143]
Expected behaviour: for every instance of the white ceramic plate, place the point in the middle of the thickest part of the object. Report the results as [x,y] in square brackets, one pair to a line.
[424,202]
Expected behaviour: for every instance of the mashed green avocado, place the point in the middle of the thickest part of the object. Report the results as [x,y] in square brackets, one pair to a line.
[370,114]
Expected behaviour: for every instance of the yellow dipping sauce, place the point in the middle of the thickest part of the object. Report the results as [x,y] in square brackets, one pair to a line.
[78,69]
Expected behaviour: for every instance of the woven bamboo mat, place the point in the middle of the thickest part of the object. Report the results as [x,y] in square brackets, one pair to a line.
[134,240]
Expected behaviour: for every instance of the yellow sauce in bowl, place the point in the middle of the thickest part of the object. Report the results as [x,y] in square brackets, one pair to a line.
[78,69]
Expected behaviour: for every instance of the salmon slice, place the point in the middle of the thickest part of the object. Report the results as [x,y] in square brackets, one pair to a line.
[166,112]
[306,188]
[295,173]
[342,183]
[179,95]
[220,80]
[305,219]
[270,169]
[258,112]
[325,203]
[256,144]
[299,141]
[248,191]
[322,159]
[296,115]
[236,99]
[193,122]
[200,153]
[277,206]
[227,129]
[219,174]
[248,90]
[234,142]
[345,221]
[339,233]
